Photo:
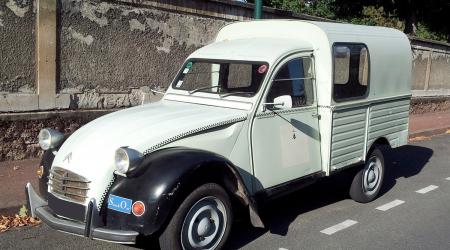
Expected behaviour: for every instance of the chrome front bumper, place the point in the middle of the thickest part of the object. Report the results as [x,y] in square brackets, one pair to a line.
[92,229]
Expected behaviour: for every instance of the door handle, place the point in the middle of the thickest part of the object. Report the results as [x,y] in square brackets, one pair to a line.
[315,115]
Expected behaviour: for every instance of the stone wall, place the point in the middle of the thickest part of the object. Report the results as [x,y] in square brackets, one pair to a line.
[17,42]
[110,53]
[431,67]
[113,47]
[19,132]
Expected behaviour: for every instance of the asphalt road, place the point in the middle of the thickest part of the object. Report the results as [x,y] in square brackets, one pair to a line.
[405,218]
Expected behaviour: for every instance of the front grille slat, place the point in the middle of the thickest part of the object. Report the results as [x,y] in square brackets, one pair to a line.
[68,193]
[68,185]
[66,178]
[59,182]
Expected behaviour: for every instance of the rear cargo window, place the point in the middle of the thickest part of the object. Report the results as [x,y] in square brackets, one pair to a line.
[351,71]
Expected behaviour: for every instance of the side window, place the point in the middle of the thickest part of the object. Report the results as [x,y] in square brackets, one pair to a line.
[351,71]
[294,79]
[341,65]
[363,73]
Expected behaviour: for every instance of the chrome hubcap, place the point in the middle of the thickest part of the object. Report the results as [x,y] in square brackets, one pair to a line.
[204,224]
[372,175]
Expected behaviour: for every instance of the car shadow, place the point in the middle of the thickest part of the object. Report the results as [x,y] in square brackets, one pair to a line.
[278,214]
[405,161]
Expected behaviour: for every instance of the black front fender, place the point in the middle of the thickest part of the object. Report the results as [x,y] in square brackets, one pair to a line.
[165,177]
[45,165]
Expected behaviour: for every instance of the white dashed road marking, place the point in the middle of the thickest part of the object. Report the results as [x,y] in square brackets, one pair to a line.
[338,227]
[390,205]
[448,178]
[282,248]
[426,189]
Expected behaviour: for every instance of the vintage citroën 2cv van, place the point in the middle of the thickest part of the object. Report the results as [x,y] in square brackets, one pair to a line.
[265,107]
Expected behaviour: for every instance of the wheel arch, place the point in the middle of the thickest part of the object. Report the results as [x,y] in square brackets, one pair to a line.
[380,141]
[45,164]
[167,176]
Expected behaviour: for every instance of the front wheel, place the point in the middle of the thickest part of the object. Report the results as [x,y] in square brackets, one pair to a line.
[203,220]
[366,184]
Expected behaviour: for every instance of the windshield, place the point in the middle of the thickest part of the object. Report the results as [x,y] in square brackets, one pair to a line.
[222,77]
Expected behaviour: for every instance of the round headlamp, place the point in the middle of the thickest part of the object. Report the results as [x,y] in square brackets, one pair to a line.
[50,138]
[126,159]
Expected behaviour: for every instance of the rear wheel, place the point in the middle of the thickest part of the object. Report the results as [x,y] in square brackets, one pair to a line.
[203,220]
[367,182]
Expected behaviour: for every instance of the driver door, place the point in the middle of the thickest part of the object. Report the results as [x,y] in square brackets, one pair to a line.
[285,138]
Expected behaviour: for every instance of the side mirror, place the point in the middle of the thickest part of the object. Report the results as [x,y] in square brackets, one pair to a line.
[281,102]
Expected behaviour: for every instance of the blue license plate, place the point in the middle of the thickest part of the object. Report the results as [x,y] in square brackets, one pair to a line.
[119,204]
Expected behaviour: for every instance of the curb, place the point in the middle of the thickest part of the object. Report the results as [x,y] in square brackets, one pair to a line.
[428,132]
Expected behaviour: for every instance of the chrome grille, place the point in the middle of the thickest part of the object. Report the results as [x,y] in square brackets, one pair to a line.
[68,185]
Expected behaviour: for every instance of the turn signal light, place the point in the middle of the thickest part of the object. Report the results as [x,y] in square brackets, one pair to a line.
[40,171]
[138,208]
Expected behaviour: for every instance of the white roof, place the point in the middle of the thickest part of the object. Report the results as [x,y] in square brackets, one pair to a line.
[265,50]
[333,29]
[389,50]
[266,40]
[304,30]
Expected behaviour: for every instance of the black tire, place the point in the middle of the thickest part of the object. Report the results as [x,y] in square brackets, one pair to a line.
[171,237]
[366,184]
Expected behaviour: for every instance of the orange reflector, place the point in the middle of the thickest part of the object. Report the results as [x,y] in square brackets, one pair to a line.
[138,208]
[40,171]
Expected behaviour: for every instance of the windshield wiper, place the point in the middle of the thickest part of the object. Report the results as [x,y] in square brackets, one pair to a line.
[203,88]
[157,91]
[236,93]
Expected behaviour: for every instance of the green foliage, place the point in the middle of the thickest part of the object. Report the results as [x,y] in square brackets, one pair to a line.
[374,16]
[429,18]
[323,8]
[423,31]
[23,211]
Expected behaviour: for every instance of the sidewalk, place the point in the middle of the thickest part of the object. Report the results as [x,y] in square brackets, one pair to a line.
[15,174]
[429,124]
[13,177]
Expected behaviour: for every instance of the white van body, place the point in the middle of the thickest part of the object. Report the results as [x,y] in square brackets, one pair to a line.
[347,128]
[312,98]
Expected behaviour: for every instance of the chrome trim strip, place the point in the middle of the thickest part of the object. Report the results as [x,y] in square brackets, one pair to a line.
[105,193]
[271,113]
